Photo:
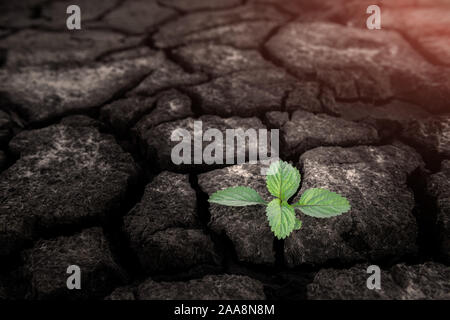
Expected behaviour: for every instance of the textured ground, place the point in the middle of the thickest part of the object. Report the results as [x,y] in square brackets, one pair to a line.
[86,176]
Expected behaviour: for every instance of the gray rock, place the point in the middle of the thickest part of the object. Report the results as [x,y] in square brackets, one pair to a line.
[348,284]
[380,223]
[245,93]
[124,113]
[213,287]
[348,10]
[246,227]
[65,176]
[157,145]
[195,5]
[137,16]
[361,64]
[219,59]
[54,13]
[439,187]
[62,47]
[429,30]
[395,114]
[47,262]
[165,75]
[16,230]
[122,293]
[242,35]
[6,126]
[305,131]
[2,160]
[424,281]
[19,14]
[171,105]
[430,134]
[325,10]
[401,282]
[42,93]
[438,47]
[277,119]
[175,249]
[160,227]
[304,96]
[133,53]
[175,32]
[168,202]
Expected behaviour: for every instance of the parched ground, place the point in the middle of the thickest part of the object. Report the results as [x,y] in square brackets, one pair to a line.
[86,176]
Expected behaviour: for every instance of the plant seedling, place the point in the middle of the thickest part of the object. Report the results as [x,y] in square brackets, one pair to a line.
[282,181]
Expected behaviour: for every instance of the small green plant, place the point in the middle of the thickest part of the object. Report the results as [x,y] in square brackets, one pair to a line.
[282,181]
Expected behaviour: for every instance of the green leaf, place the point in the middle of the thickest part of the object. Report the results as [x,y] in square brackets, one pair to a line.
[321,203]
[237,196]
[282,180]
[281,218]
[298,224]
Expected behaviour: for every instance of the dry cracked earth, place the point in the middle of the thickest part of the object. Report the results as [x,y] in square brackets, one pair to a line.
[86,176]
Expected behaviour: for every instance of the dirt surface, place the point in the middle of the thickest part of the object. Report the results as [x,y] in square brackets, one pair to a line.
[86,176]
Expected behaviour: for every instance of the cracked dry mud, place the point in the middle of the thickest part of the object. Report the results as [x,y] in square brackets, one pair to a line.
[86,176]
